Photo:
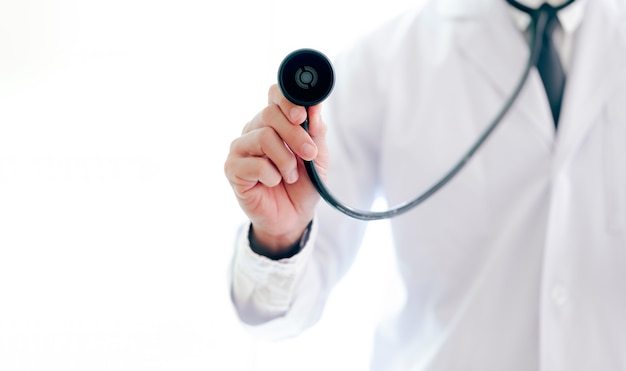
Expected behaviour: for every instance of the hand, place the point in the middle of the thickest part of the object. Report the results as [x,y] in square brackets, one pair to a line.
[266,172]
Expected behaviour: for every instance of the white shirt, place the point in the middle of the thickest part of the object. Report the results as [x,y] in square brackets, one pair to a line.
[518,264]
[570,18]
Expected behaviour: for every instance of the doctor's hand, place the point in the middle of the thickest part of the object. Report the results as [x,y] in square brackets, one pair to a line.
[266,172]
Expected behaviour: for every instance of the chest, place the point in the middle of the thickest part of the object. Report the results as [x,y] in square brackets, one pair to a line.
[517,170]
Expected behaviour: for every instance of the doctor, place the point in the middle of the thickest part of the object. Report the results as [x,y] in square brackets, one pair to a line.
[519,263]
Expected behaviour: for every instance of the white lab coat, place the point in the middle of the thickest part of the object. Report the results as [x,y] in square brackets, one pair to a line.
[520,262]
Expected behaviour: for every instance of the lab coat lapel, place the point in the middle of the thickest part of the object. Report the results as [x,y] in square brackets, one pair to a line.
[498,50]
[598,64]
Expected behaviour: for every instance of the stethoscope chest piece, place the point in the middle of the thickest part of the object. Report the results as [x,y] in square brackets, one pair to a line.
[306,77]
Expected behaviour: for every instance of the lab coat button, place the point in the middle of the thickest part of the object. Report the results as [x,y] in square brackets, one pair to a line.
[559,295]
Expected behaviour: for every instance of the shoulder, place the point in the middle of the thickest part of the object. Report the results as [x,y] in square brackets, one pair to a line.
[420,32]
[390,42]
[396,34]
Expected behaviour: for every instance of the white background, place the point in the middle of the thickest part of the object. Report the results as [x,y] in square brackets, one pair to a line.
[116,222]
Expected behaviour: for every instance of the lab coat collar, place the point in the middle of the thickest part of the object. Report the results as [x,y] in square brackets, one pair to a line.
[492,45]
[495,47]
[597,71]
[570,17]
[474,8]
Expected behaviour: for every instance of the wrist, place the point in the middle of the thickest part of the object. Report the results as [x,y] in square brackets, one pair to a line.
[278,247]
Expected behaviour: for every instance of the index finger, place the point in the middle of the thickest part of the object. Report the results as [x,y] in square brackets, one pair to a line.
[294,113]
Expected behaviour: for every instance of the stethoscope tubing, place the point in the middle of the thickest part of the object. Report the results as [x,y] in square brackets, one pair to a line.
[539,21]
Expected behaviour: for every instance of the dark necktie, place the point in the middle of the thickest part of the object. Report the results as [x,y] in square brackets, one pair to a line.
[548,64]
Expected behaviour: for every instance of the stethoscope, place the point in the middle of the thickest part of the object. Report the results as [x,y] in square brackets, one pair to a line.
[306,78]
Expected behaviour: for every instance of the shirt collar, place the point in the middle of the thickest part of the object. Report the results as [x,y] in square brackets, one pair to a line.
[570,17]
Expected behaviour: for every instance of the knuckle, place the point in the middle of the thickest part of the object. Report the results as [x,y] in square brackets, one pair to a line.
[229,170]
[234,145]
[266,136]
[268,115]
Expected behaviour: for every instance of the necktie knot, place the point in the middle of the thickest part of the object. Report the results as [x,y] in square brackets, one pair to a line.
[551,18]
[548,9]
[545,7]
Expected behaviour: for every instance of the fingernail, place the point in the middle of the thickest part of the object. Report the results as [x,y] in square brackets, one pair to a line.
[308,150]
[295,114]
[292,176]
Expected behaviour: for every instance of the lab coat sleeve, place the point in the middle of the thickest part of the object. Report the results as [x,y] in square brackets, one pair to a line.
[266,293]
[279,299]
